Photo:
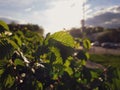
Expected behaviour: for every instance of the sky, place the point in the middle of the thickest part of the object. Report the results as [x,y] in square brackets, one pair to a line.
[55,15]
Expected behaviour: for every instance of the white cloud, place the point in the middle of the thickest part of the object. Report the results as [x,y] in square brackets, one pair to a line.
[60,14]
[28,9]
[64,14]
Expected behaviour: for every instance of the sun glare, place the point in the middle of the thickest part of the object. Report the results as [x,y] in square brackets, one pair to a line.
[65,14]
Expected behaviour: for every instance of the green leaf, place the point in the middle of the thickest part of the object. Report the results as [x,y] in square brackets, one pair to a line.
[94,74]
[55,76]
[9,81]
[96,88]
[3,63]
[6,49]
[87,55]
[69,70]
[116,83]
[64,38]
[77,75]
[1,71]
[47,39]
[3,24]
[86,44]
[19,42]
[13,43]
[83,62]
[57,54]
[117,73]
[39,86]
[19,62]
[67,63]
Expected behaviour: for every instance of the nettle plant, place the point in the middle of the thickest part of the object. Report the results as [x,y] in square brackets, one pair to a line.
[32,62]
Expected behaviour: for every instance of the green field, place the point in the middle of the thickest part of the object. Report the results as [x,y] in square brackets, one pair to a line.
[106,60]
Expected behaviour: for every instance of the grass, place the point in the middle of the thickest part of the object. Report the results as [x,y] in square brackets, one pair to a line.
[106,60]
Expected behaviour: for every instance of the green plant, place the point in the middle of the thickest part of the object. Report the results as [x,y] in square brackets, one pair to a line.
[33,62]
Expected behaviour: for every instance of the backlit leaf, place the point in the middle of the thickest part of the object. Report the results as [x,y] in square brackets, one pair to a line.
[3,24]
[13,43]
[9,81]
[1,71]
[69,70]
[39,86]
[19,62]
[86,44]
[64,38]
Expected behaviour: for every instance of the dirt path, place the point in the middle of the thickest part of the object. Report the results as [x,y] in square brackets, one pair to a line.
[93,65]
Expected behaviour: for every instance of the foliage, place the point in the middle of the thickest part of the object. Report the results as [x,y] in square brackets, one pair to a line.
[32,27]
[98,34]
[76,32]
[29,61]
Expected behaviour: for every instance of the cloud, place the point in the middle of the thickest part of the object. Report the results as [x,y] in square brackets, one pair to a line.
[28,9]
[107,17]
[9,20]
[16,3]
[53,15]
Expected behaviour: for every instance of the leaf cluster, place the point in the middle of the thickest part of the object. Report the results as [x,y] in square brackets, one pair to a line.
[29,61]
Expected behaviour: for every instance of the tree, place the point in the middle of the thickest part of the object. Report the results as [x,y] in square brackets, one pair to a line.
[110,36]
